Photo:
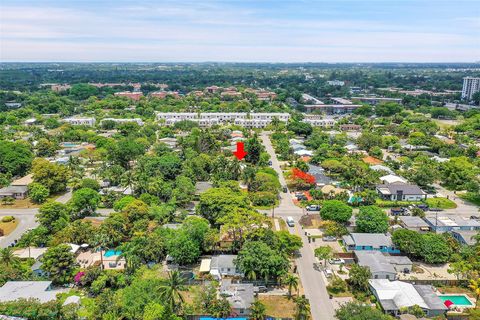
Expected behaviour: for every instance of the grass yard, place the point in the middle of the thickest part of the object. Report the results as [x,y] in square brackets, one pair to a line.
[442,203]
[278,306]
[8,227]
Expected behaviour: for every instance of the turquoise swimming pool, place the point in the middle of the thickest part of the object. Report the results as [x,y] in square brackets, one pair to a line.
[111,253]
[458,299]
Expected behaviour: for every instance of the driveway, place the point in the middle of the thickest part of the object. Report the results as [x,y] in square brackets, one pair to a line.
[312,281]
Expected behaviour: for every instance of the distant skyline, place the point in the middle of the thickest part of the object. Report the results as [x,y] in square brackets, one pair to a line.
[240,31]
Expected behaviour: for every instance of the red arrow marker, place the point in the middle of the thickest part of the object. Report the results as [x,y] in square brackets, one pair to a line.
[240,153]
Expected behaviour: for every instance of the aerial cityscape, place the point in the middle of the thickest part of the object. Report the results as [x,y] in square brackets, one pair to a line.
[234,160]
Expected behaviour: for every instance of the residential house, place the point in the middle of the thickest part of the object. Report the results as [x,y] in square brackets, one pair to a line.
[465,237]
[400,192]
[239,295]
[383,266]
[18,189]
[224,265]
[41,290]
[319,173]
[171,142]
[350,127]
[414,223]
[442,224]
[394,296]
[391,178]
[369,241]
[379,167]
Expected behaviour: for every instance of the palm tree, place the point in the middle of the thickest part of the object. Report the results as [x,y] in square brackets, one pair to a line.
[8,258]
[29,239]
[475,286]
[170,290]
[291,282]
[257,311]
[302,311]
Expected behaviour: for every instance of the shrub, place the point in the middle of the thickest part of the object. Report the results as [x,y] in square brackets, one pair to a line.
[7,219]
[337,286]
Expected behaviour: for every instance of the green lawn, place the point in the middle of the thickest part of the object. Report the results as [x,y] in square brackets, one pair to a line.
[471,197]
[442,203]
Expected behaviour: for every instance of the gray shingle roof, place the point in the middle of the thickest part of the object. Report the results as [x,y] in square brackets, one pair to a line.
[375,261]
[408,189]
[413,222]
[369,239]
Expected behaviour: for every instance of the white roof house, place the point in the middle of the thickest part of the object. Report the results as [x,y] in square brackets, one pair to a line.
[34,253]
[41,290]
[394,295]
[391,178]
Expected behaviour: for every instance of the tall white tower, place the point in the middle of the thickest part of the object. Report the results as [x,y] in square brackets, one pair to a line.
[470,86]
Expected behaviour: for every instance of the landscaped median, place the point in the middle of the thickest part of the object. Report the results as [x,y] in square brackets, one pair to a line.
[441,203]
[7,225]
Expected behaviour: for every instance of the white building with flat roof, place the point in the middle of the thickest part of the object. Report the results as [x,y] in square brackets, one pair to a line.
[471,85]
[137,120]
[207,119]
[80,121]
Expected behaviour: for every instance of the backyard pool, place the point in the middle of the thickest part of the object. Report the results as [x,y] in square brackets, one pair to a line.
[111,253]
[459,300]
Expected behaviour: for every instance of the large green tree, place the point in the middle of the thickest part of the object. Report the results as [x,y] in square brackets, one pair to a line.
[372,219]
[59,263]
[336,210]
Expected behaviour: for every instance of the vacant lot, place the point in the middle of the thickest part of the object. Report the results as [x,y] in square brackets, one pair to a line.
[278,306]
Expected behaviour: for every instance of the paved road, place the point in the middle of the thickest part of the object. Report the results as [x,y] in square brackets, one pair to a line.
[312,281]
[26,220]
[464,208]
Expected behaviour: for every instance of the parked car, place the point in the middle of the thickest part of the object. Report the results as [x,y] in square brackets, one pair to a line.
[262,289]
[285,189]
[398,212]
[329,238]
[270,162]
[302,197]
[313,207]
[290,222]
[422,206]
[328,273]
[336,261]
[475,217]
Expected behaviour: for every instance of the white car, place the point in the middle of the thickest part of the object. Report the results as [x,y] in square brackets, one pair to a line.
[328,273]
[336,261]
[290,222]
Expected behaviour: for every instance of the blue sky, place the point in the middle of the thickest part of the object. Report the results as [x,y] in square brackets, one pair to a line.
[243,30]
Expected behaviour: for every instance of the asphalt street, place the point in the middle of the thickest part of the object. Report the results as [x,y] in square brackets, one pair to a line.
[312,280]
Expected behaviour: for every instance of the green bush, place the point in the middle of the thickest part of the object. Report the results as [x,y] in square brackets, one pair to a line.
[8,219]
[394,204]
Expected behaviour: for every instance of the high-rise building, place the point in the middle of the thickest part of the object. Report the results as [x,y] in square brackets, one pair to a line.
[470,86]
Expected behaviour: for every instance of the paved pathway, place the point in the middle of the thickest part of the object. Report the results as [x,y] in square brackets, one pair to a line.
[312,281]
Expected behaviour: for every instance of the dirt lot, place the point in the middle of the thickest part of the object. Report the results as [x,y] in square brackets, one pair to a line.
[312,221]
[19,204]
[278,306]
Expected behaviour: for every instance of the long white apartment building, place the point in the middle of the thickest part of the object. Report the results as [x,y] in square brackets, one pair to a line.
[80,121]
[207,119]
[318,121]
[471,85]
[137,120]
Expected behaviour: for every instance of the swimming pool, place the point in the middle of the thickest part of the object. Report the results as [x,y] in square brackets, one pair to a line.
[111,253]
[457,299]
